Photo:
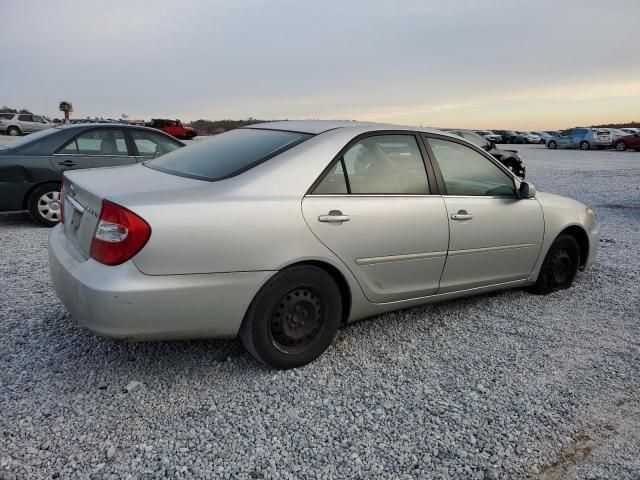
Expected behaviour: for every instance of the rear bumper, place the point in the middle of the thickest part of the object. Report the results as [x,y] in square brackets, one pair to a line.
[122,302]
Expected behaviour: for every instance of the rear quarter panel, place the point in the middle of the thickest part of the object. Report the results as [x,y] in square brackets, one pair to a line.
[19,175]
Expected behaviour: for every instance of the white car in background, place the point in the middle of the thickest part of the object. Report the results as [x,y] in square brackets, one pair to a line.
[16,124]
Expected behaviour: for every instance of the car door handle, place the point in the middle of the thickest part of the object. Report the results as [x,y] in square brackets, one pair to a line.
[67,163]
[461,215]
[334,216]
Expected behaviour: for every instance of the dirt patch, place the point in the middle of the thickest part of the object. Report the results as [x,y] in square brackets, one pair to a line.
[626,415]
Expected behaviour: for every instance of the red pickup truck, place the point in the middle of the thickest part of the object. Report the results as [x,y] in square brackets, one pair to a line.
[173,128]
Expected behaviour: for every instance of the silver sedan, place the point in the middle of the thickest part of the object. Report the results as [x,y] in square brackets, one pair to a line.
[280,233]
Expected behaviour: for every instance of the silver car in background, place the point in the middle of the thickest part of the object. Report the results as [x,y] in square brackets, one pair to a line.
[582,138]
[489,135]
[15,124]
[528,137]
[282,232]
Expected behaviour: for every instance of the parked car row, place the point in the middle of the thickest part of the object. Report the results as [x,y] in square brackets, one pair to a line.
[588,138]
[16,124]
[583,138]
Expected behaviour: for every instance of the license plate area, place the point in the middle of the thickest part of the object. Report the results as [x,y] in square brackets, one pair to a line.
[73,212]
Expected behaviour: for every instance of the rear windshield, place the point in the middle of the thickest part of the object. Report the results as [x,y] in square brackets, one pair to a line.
[227,154]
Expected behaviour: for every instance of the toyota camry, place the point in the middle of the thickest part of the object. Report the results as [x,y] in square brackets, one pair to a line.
[280,233]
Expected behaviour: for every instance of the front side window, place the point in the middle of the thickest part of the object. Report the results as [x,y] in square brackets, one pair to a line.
[381,164]
[467,172]
[475,139]
[97,142]
[227,154]
[153,145]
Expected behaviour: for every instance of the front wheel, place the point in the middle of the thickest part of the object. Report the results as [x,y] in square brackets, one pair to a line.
[44,204]
[621,146]
[585,145]
[293,318]
[552,145]
[560,266]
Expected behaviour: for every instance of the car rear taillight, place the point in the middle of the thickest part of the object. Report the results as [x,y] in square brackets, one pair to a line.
[119,235]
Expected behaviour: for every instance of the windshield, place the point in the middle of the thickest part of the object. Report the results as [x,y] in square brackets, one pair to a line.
[26,140]
[227,154]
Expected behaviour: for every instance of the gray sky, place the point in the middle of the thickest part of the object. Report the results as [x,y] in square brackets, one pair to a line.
[480,64]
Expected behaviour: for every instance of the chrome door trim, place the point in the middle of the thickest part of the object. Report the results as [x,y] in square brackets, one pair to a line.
[399,258]
[351,195]
[492,249]
[88,155]
[479,196]
[456,293]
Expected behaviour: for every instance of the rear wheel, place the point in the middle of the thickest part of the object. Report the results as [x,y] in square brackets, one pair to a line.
[560,266]
[13,131]
[293,318]
[44,204]
[621,146]
[584,145]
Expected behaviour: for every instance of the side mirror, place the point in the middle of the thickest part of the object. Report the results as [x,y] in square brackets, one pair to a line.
[527,190]
[491,146]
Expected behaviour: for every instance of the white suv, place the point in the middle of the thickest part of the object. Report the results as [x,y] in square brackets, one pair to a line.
[18,123]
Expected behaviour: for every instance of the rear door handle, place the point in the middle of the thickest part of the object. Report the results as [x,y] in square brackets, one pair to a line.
[67,163]
[461,215]
[334,216]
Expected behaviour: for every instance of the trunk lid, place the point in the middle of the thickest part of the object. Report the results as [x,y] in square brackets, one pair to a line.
[85,189]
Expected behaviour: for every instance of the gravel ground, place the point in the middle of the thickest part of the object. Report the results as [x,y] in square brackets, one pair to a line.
[507,385]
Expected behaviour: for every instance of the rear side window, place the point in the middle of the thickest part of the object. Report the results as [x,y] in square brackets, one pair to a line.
[97,142]
[152,145]
[378,165]
[6,116]
[24,118]
[227,154]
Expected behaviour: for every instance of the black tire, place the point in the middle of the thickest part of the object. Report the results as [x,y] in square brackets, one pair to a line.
[621,146]
[13,131]
[560,266]
[293,318]
[584,145]
[552,144]
[36,205]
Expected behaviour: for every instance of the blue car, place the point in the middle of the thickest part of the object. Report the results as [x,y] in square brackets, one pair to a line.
[582,138]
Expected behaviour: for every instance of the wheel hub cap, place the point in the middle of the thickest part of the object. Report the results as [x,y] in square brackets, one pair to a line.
[297,318]
[49,206]
[561,266]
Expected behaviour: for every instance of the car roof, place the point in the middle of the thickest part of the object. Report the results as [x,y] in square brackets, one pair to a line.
[315,127]
[80,126]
